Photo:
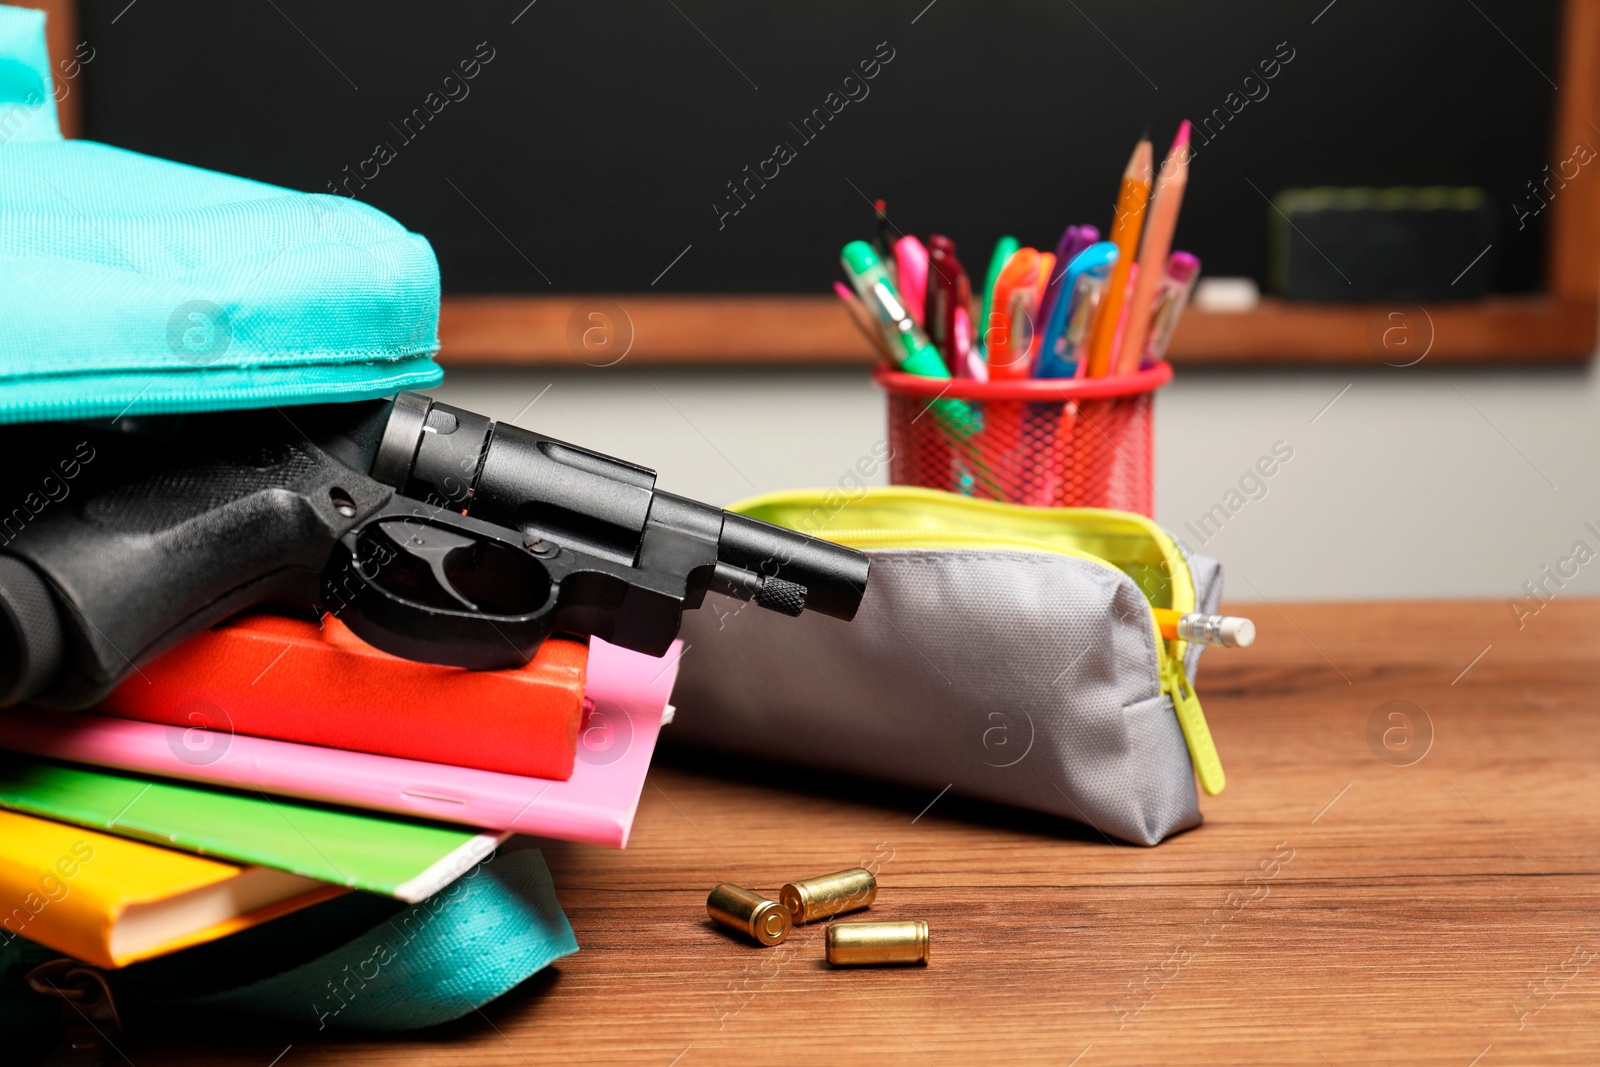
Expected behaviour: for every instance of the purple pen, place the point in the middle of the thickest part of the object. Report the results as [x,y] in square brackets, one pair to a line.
[1074,239]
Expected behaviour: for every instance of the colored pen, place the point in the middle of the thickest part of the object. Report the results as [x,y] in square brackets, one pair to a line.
[1125,227]
[1004,249]
[1172,296]
[949,291]
[966,353]
[1052,361]
[1007,343]
[912,351]
[1072,350]
[1085,467]
[911,276]
[1170,184]
[864,320]
[1070,359]
[1074,239]
[1090,274]
[881,241]
[1009,335]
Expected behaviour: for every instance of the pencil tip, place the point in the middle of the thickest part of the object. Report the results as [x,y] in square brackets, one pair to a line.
[1144,135]
[880,206]
[1182,140]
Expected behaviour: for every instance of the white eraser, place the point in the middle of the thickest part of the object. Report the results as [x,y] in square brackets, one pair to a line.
[1237,632]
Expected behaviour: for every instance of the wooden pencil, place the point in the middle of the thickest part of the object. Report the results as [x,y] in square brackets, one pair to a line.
[1132,200]
[1163,220]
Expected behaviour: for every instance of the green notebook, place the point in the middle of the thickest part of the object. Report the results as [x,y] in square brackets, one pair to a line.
[403,858]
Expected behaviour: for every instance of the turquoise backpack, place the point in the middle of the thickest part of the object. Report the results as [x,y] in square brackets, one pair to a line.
[133,285]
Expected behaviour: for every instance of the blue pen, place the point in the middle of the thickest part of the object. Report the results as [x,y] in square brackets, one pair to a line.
[1074,239]
[1097,257]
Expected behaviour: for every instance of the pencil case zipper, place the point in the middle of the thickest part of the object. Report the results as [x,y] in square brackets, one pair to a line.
[933,520]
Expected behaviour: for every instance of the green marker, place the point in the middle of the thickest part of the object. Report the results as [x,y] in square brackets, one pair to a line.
[915,353]
[1004,249]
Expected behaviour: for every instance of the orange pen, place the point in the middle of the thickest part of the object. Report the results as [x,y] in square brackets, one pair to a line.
[1008,339]
[1009,336]
[1125,228]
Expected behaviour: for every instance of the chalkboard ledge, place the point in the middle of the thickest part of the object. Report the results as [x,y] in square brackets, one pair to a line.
[775,330]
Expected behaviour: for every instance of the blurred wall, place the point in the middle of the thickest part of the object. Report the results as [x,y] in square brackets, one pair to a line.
[1423,482]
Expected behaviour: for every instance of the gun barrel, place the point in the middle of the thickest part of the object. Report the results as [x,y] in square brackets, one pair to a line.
[834,577]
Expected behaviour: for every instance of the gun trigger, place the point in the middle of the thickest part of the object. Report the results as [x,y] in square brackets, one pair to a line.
[433,546]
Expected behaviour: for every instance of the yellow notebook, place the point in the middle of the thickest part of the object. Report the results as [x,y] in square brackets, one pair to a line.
[110,901]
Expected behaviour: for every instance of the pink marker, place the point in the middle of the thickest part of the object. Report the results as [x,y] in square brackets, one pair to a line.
[911,268]
[969,361]
[1172,296]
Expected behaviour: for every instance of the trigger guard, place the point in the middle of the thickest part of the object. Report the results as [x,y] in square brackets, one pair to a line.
[454,636]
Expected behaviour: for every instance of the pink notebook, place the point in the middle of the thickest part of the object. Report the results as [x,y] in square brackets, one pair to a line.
[596,805]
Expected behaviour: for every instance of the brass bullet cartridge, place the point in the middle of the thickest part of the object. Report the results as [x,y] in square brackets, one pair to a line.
[862,944]
[829,895]
[765,920]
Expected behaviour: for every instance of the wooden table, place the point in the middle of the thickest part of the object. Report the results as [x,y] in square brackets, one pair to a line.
[1445,912]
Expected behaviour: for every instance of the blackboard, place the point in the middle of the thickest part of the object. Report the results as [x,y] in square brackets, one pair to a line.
[594,145]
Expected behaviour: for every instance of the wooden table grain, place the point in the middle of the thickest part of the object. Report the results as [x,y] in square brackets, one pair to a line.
[1335,908]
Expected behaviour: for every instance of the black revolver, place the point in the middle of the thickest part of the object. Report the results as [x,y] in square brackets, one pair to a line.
[432,532]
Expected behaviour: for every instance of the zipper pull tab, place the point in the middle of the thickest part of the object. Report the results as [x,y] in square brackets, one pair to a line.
[1196,734]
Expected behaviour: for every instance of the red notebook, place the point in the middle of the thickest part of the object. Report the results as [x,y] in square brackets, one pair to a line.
[290,680]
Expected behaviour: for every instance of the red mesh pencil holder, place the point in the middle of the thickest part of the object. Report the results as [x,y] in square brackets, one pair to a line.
[1082,442]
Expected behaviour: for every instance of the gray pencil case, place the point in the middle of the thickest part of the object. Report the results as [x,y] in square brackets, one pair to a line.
[1008,653]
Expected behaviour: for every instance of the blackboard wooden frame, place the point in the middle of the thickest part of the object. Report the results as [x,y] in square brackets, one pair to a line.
[1560,325]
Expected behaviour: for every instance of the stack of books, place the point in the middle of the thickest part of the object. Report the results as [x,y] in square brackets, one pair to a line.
[272,763]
